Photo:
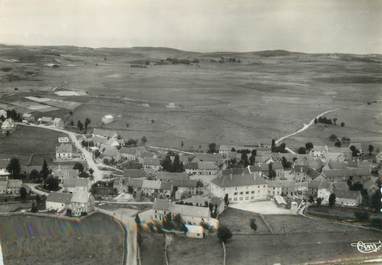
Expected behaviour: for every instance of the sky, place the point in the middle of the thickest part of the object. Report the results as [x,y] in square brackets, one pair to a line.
[319,26]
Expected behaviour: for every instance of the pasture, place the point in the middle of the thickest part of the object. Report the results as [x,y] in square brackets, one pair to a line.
[97,239]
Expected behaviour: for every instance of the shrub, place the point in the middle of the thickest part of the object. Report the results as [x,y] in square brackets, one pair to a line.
[362,216]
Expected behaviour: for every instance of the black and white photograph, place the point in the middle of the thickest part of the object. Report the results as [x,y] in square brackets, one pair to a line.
[190,132]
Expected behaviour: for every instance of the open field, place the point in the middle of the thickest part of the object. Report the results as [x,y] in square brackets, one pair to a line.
[302,240]
[238,221]
[42,240]
[267,95]
[152,249]
[186,251]
[28,140]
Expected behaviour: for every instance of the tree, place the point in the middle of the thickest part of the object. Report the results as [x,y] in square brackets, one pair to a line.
[226,200]
[87,122]
[319,201]
[252,158]
[370,149]
[301,150]
[332,200]
[14,168]
[212,148]
[335,121]
[375,201]
[181,144]
[224,234]
[362,215]
[271,172]
[138,220]
[34,208]
[342,124]
[44,170]
[333,137]
[80,126]
[309,146]
[338,143]
[23,193]
[52,183]
[79,166]
[144,140]
[244,159]
[252,224]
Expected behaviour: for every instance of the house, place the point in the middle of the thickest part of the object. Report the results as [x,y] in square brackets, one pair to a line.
[4,174]
[130,153]
[263,169]
[8,126]
[64,151]
[14,186]
[239,185]
[344,196]
[195,231]
[46,120]
[63,139]
[82,202]
[28,117]
[72,185]
[348,198]
[3,114]
[107,119]
[191,215]
[111,153]
[128,185]
[170,176]
[339,153]
[324,191]
[343,174]
[184,187]
[3,186]
[151,186]
[274,188]
[58,123]
[370,185]
[58,201]
[65,173]
[378,158]
[319,151]
[151,164]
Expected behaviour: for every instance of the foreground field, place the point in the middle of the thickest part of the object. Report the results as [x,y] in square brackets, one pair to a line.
[152,249]
[49,241]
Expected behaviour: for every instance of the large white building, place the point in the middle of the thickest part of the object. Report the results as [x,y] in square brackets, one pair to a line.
[239,185]
[64,151]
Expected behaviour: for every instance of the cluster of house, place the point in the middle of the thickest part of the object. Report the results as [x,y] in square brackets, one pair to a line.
[79,202]
[318,174]
[7,124]
[8,186]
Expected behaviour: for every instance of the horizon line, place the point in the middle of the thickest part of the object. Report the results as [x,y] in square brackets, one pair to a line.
[178,49]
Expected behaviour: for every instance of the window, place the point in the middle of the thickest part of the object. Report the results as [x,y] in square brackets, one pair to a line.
[247,192]
[241,193]
[241,198]
[253,192]
[235,193]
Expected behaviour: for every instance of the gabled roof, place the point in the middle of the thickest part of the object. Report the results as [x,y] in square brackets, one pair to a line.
[188,210]
[59,197]
[64,148]
[135,183]
[76,182]
[237,177]
[151,184]
[81,196]
[168,176]
[207,165]
[161,204]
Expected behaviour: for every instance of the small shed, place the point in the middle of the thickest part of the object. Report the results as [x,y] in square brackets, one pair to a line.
[195,231]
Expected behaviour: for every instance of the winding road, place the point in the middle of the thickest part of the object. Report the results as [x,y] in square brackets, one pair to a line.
[306,126]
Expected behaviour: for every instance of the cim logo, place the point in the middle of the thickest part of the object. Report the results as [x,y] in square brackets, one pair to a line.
[367,247]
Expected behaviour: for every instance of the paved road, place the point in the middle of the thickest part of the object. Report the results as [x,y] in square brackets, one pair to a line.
[98,174]
[33,189]
[131,229]
[306,126]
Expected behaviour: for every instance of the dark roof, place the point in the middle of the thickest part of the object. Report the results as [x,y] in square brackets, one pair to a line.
[168,176]
[237,177]
[184,183]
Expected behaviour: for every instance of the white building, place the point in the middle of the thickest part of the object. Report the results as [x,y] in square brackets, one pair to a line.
[8,126]
[239,185]
[58,123]
[64,151]
[58,201]
[82,202]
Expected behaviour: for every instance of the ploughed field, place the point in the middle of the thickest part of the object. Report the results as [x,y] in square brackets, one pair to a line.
[266,95]
[97,239]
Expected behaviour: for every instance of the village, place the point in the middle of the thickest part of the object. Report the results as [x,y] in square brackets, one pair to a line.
[184,192]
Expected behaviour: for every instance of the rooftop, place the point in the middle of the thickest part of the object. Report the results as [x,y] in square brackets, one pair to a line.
[237,177]
[59,197]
